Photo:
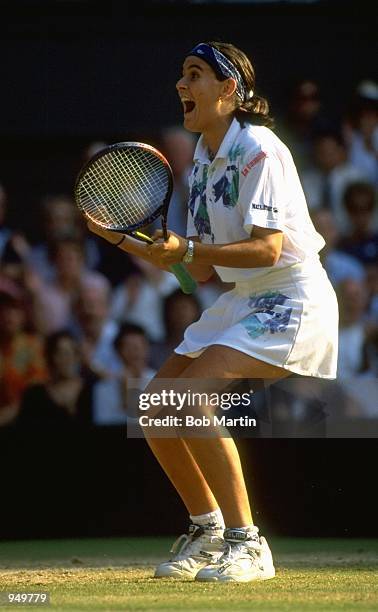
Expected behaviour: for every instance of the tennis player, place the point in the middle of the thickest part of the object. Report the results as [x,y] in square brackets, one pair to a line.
[247,221]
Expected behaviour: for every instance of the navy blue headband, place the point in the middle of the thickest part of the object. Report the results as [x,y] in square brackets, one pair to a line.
[221,66]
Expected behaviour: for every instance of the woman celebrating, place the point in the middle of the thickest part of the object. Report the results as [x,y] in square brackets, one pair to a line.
[248,221]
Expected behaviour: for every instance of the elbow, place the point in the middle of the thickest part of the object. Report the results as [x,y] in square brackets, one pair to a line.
[272,256]
[276,257]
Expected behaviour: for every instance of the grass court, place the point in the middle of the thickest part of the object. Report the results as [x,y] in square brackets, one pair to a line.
[314,575]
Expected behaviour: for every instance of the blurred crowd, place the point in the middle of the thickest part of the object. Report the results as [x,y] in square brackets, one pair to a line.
[81,322]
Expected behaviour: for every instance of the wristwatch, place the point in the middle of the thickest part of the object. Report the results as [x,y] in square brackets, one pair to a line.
[189,253]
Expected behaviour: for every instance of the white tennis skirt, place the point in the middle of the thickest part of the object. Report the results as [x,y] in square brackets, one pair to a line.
[288,318]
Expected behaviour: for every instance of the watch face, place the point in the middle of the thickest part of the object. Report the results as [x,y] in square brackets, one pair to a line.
[188,256]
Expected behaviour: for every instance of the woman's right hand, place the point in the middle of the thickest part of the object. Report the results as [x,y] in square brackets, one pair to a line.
[130,245]
[112,237]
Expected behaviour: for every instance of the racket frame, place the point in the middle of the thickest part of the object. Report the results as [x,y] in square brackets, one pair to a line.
[187,283]
[161,211]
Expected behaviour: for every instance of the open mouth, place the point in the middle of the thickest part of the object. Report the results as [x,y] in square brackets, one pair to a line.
[188,106]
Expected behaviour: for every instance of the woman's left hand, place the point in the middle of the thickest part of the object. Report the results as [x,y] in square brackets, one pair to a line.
[168,252]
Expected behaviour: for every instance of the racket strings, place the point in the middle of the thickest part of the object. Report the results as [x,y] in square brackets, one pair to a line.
[107,182]
[123,187]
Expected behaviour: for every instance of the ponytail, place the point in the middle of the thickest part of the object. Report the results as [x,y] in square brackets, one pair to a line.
[255,110]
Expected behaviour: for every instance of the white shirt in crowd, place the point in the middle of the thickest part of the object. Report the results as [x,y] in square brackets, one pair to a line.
[109,402]
[351,341]
[146,310]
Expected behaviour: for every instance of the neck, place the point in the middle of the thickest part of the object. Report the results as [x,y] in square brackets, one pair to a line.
[213,136]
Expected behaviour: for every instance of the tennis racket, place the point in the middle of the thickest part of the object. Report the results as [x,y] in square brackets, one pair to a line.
[125,187]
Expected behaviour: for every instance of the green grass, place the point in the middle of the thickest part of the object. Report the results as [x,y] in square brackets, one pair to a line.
[116,574]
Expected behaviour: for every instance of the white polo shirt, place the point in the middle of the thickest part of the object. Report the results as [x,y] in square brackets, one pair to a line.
[251,181]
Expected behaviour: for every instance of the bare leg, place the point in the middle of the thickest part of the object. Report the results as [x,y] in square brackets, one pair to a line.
[207,472]
[176,459]
[219,461]
[218,458]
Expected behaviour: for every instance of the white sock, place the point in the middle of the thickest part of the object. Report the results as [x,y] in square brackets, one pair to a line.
[211,521]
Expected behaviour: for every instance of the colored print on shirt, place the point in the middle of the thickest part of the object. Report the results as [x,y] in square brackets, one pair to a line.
[227,187]
[225,191]
[198,190]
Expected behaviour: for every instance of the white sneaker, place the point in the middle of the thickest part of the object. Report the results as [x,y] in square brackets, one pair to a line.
[191,553]
[247,558]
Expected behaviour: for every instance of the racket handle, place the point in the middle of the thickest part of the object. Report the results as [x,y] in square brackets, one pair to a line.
[187,282]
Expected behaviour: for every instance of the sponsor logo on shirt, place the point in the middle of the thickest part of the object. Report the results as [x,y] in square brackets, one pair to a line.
[265,207]
[253,162]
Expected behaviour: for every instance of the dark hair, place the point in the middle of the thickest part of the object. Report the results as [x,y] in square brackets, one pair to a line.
[330,134]
[125,330]
[360,105]
[52,341]
[369,350]
[356,188]
[255,110]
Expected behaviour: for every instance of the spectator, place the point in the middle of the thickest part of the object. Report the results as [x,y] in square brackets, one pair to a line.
[53,300]
[365,403]
[21,357]
[15,278]
[95,330]
[339,265]
[111,395]
[138,299]
[12,262]
[362,239]
[179,311]
[13,246]
[64,399]
[372,287]
[61,219]
[362,131]
[132,346]
[352,297]
[324,184]
[178,145]
[304,119]
[369,367]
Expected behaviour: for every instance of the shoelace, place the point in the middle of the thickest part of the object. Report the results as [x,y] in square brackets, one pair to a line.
[187,545]
[235,549]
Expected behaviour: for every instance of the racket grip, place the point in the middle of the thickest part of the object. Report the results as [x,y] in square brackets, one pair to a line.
[187,282]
